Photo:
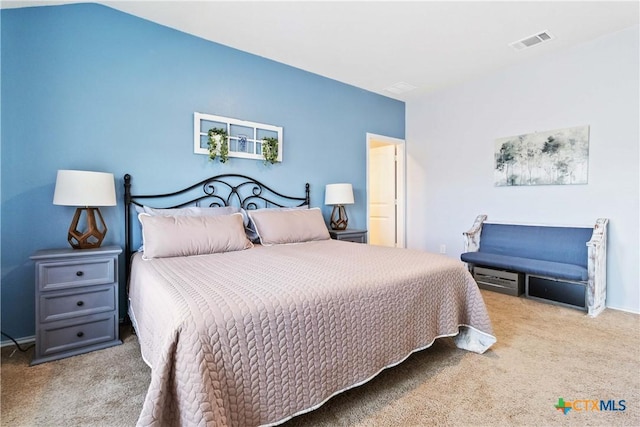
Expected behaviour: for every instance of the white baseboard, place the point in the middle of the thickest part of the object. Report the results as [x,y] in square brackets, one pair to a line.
[623,309]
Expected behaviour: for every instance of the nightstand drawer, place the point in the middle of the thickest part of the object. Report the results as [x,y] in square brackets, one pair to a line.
[65,337]
[69,304]
[349,235]
[66,274]
[355,239]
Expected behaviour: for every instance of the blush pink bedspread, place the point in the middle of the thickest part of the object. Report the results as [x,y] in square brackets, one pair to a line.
[254,337]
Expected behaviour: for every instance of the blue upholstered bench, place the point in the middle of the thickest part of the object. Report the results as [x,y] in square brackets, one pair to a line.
[561,264]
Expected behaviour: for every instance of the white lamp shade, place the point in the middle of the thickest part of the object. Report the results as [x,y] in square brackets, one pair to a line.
[338,194]
[84,188]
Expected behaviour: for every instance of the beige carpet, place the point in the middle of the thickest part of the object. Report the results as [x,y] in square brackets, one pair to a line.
[544,352]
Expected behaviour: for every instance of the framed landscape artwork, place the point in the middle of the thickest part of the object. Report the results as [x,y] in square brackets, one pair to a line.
[555,157]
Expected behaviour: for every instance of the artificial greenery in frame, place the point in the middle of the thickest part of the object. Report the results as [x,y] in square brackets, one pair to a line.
[270,149]
[218,136]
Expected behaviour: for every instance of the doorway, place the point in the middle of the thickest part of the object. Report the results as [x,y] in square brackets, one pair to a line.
[386,191]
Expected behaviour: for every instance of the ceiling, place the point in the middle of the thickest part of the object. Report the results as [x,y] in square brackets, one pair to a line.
[429,45]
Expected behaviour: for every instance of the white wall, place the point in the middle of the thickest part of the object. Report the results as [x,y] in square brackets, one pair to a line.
[450,145]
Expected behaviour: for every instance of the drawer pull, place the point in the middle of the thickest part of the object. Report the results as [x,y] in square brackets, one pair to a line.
[80,334]
[79,273]
[80,303]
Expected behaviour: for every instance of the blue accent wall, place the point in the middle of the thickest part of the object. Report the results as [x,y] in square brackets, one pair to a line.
[88,87]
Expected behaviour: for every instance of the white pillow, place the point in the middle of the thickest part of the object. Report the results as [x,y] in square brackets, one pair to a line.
[279,226]
[250,227]
[188,211]
[193,211]
[185,235]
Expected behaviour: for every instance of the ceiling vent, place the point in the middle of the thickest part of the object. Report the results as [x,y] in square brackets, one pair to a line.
[533,40]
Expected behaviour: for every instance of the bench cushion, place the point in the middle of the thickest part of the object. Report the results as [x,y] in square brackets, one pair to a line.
[527,265]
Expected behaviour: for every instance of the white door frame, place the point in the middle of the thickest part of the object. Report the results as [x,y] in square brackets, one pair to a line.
[401,201]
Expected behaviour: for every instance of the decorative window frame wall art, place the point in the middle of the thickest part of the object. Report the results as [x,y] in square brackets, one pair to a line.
[245,138]
[554,157]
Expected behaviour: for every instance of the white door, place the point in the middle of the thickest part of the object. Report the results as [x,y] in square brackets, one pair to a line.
[386,190]
[382,195]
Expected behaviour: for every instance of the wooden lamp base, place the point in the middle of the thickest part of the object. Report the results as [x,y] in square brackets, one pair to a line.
[339,218]
[92,237]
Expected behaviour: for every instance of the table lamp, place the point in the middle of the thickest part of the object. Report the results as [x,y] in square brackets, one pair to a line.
[338,195]
[86,190]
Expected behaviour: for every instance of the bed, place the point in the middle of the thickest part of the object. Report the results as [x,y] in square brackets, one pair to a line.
[249,314]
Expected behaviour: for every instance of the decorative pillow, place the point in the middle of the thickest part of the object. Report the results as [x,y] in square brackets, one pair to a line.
[188,211]
[193,211]
[186,235]
[250,227]
[278,226]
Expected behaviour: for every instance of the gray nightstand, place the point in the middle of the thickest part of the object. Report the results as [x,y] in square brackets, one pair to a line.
[350,235]
[76,301]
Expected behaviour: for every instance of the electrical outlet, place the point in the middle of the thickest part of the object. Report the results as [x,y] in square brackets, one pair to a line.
[443,248]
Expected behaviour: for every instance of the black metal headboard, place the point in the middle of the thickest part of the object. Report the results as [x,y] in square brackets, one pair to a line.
[221,190]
